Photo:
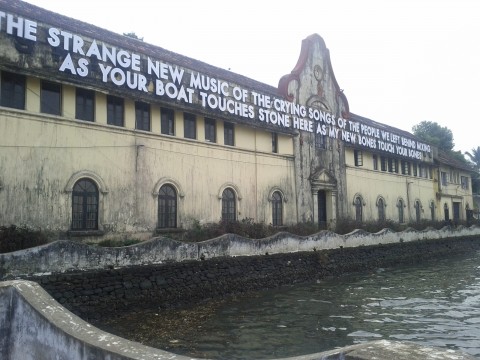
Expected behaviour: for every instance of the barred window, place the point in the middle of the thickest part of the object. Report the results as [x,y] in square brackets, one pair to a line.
[167,207]
[277,209]
[85,205]
[229,205]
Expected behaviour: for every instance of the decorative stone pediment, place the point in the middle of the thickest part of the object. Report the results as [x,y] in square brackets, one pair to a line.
[322,179]
[312,81]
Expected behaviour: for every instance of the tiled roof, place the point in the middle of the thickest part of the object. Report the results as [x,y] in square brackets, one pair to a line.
[79,27]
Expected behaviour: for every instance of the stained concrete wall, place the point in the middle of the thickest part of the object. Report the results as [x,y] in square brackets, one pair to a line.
[33,326]
[63,255]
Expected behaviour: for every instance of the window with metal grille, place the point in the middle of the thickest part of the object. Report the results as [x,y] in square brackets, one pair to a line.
[210,130]
[418,209]
[358,209]
[381,209]
[115,110]
[229,133]
[50,98]
[167,121]
[229,212]
[12,90]
[85,205]
[84,104]
[189,126]
[167,207]
[400,211]
[142,116]
[277,209]
[358,157]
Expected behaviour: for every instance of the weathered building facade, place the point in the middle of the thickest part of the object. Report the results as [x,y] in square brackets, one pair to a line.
[101,133]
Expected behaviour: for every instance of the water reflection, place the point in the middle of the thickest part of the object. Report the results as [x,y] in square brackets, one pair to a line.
[436,303]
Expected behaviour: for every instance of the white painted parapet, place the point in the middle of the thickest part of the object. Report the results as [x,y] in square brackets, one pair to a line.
[63,255]
[36,327]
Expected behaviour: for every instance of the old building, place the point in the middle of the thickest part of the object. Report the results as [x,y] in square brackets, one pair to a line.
[102,133]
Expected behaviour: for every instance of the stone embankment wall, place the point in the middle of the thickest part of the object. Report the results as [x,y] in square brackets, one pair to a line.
[98,293]
[62,256]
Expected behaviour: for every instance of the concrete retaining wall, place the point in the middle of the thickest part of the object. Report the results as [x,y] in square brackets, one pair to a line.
[62,256]
[33,326]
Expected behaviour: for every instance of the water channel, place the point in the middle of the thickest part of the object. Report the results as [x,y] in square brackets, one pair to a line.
[434,303]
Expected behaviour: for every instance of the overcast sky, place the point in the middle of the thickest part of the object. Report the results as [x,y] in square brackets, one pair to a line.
[399,62]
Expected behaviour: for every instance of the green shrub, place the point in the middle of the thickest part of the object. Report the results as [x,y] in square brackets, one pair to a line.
[13,238]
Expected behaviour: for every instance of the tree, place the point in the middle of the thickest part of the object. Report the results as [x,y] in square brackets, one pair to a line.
[434,134]
[133,36]
[474,157]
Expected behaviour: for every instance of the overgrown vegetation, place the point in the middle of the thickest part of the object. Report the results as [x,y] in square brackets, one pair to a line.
[13,238]
[250,229]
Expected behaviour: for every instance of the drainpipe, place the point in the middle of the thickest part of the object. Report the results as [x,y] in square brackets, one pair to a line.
[408,199]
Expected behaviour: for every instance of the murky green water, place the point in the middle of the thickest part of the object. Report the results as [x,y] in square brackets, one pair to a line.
[435,303]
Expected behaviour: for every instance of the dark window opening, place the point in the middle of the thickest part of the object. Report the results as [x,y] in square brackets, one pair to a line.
[274,142]
[85,104]
[115,111]
[142,116]
[210,130]
[189,126]
[358,157]
[229,133]
[12,90]
[51,98]
[167,121]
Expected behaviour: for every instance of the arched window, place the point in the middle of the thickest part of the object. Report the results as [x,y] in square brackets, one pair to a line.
[400,211]
[277,209]
[418,208]
[167,207]
[228,205]
[358,209]
[85,205]
[381,209]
